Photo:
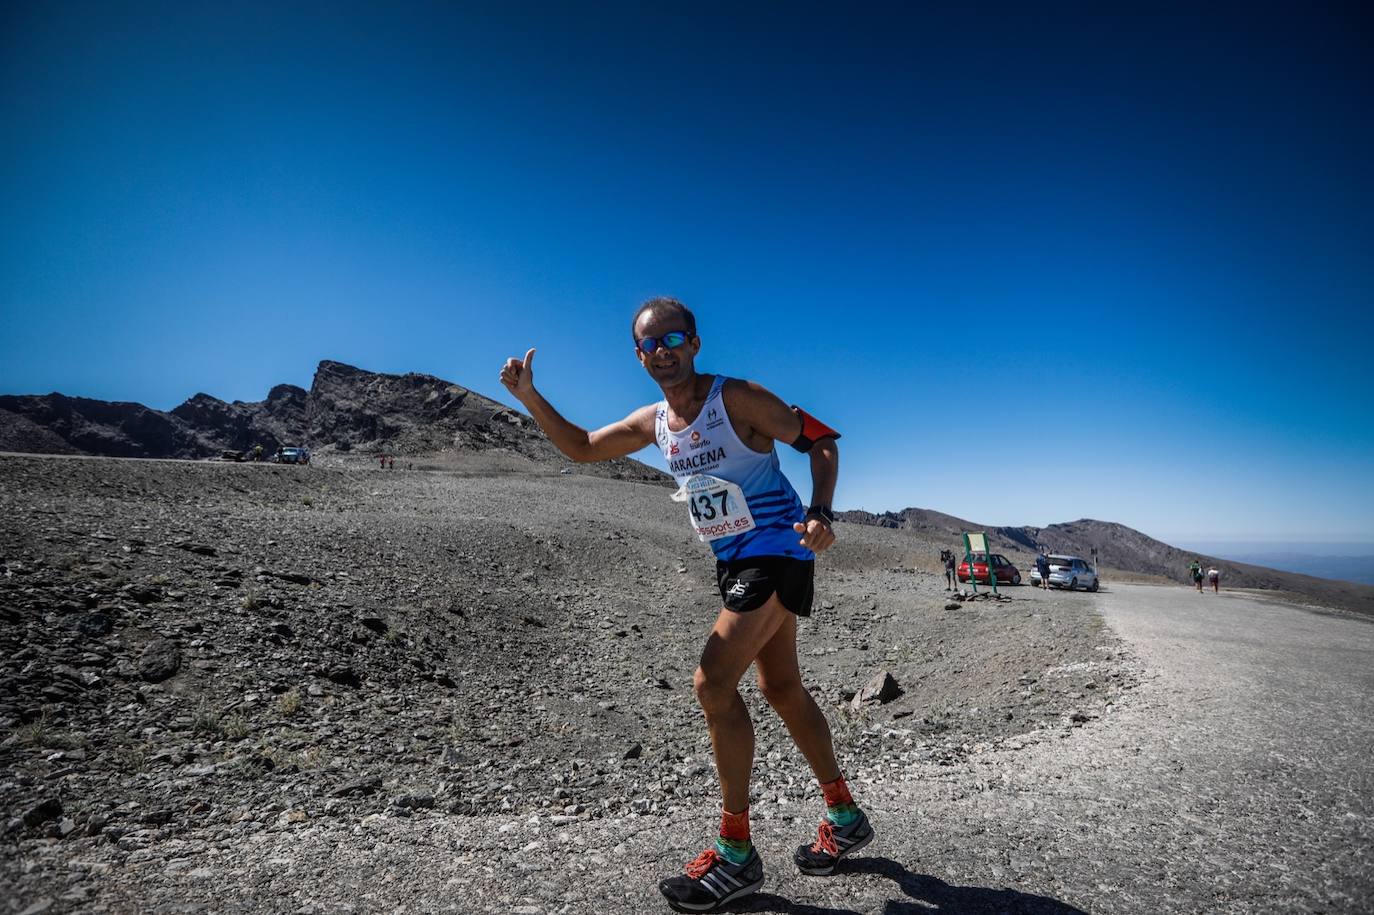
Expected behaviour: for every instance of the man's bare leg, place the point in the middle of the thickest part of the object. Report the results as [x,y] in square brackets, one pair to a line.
[734,643]
[781,683]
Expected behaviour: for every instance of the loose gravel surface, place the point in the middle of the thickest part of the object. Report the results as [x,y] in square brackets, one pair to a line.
[252,689]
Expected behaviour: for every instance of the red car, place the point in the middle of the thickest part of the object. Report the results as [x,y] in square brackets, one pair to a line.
[1007,574]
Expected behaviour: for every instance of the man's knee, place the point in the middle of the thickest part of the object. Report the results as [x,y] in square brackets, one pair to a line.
[714,692]
[784,694]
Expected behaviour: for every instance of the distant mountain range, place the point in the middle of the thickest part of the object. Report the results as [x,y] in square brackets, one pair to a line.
[1346,568]
[350,410]
[347,409]
[1121,549]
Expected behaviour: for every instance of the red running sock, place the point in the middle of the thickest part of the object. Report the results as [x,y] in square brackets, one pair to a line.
[840,808]
[734,844]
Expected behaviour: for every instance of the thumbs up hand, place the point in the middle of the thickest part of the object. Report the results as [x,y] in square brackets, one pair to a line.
[518,376]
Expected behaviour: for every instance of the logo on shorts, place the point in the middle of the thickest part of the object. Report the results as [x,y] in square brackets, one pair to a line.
[738,589]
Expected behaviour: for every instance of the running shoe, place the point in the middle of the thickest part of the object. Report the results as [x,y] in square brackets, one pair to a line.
[833,843]
[711,882]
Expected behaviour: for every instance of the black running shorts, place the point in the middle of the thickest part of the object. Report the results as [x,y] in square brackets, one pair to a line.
[746,584]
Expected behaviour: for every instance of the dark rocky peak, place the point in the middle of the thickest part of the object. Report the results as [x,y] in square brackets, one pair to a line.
[113,428]
[241,425]
[346,408]
[285,394]
[351,408]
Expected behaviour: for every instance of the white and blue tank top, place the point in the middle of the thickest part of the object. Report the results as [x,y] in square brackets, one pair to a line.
[738,499]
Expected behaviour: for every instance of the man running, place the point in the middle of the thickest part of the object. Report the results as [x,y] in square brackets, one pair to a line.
[717,436]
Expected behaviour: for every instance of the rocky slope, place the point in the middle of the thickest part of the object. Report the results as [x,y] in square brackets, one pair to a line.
[201,656]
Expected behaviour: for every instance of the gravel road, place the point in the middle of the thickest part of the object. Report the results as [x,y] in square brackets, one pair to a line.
[1234,778]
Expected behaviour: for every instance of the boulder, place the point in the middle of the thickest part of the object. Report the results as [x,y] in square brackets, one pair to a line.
[882,687]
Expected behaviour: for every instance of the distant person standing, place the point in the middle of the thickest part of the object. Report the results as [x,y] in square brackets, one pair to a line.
[1042,568]
[950,580]
[1214,578]
[1195,570]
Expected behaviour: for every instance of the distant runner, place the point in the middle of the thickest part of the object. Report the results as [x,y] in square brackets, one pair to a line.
[1195,571]
[716,435]
[1042,568]
[1214,579]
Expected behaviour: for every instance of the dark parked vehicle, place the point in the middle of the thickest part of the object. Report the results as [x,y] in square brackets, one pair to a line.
[1006,573]
[292,456]
[235,456]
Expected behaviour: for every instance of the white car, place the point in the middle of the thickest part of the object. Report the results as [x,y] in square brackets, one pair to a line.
[1070,572]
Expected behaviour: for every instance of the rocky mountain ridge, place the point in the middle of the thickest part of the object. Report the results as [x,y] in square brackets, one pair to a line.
[347,409]
[352,411]
[1120,549]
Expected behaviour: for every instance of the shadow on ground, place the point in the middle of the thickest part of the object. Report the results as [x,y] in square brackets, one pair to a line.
[926,894]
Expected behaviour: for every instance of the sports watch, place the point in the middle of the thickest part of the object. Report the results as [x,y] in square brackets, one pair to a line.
[823,512]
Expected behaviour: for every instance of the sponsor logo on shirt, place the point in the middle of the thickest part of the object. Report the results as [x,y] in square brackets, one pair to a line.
[673,448]
[713,418]
[698,441]
[697,461]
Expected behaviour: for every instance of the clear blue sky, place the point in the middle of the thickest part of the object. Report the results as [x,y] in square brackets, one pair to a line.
[1037,264]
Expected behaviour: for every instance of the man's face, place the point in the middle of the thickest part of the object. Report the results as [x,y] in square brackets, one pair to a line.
[666,366]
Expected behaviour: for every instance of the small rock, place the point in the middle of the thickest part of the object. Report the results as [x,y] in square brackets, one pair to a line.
[881,688]
[160,660]
[93,625]
[46,809]
[344,676]
[414,801]
[634,752]
[359,788]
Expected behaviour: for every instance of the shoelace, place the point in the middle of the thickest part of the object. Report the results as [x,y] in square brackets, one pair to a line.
[702,863]
[825,842]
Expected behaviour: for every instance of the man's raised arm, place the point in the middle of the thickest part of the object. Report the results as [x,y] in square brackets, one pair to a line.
[612,441]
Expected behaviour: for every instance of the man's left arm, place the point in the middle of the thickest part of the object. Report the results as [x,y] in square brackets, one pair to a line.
[768,416]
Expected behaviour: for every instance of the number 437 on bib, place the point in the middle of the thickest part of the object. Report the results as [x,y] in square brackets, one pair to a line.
[717,507]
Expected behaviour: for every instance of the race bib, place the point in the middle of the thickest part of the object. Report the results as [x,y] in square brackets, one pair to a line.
[717,507]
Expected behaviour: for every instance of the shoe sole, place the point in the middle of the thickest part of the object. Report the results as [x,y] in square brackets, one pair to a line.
[719,903]
[827,871]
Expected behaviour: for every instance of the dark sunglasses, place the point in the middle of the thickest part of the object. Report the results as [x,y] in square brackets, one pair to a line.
[673,339]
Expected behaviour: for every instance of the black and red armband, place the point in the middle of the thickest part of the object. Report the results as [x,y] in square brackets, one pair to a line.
[812,431]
